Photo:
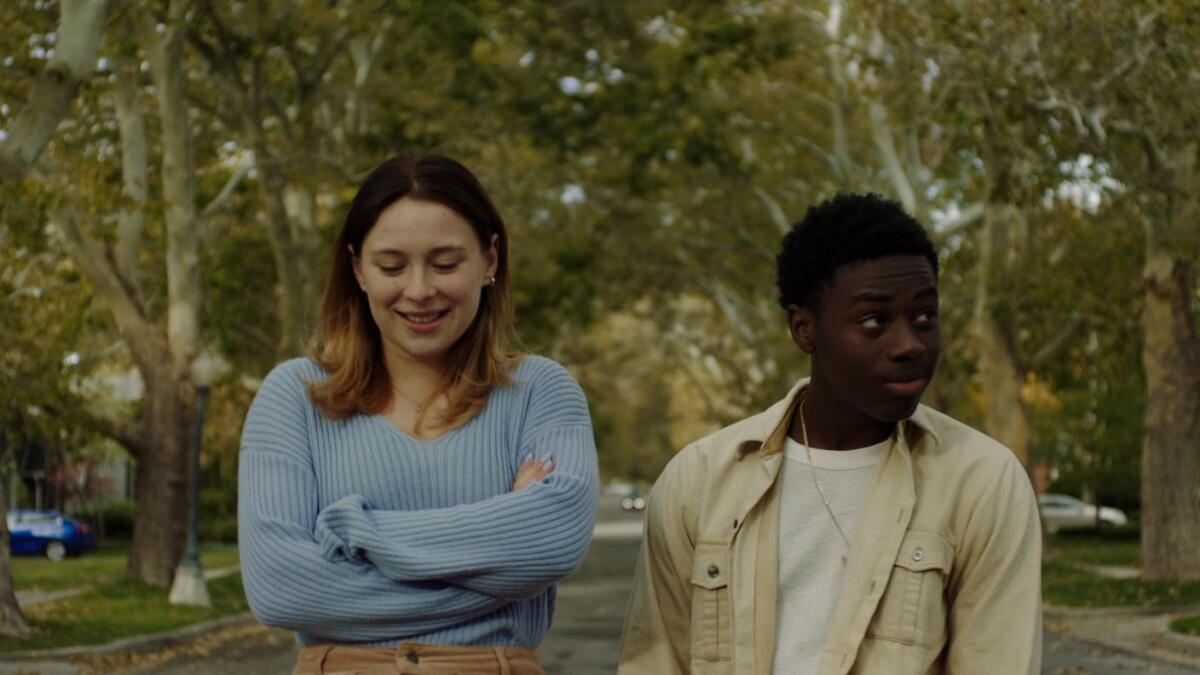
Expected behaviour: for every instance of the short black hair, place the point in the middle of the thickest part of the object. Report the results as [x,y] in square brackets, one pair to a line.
[845,229]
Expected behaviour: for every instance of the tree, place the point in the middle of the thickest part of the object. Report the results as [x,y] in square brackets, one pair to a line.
[80,29]
[81,26]
[1130,96]
[159,436]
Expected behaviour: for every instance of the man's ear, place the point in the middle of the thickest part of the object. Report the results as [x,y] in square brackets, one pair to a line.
[803,325]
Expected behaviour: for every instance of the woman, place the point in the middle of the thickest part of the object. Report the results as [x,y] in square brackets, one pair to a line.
[409,495]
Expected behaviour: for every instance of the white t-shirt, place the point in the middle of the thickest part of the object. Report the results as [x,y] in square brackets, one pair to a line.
[810,548]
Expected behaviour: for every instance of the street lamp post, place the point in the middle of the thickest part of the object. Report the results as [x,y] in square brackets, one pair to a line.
[189,587]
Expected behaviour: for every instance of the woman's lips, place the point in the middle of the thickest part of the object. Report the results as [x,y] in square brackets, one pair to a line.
[423,322]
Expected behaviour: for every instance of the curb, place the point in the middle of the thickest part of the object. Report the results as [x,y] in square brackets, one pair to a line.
[1059,612]
[148,642]
[1160,655]
[1180,641]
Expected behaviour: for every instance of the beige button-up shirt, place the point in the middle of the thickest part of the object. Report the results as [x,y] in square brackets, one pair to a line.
[944,571]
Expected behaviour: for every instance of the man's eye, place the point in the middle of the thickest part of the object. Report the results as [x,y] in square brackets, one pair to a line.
[927,317]
[871,322]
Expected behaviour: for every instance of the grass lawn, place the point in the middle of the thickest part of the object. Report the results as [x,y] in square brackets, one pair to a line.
[1067,581]
[104,565]
[115,607]
[1096,551]
[120,609]
[1066,585]
[1189,625]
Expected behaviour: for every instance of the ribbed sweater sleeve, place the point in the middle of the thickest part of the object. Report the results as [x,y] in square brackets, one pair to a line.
[289,582]
[509,546]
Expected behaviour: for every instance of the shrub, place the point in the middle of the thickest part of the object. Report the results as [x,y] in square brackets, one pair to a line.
[110,521]
[222,529]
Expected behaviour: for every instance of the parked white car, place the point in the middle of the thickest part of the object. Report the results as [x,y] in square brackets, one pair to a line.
[1064,512]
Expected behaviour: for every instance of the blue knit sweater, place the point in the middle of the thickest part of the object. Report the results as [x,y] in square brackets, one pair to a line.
[353,531]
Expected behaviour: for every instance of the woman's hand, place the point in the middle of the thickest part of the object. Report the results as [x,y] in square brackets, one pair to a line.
[532,471]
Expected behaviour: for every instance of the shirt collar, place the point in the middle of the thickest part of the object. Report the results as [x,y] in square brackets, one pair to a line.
[767,438]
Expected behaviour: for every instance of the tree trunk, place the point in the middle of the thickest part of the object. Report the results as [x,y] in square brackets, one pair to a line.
[80,28]
[161,479]
[12,621]
[1170,463]
[1000,378]
[292,232]
[1005,417]
[167,420]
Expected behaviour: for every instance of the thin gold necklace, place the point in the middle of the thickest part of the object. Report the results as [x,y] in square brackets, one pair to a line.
[817,481]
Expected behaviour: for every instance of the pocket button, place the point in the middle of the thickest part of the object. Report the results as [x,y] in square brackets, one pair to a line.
[918,554]
[714,571]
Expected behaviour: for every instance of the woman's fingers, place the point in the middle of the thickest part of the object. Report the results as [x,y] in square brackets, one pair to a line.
[532,471]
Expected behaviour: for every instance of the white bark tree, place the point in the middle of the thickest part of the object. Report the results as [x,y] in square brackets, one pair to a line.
[80,30]
[159,438]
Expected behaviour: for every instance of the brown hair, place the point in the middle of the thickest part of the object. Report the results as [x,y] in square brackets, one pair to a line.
[347,344]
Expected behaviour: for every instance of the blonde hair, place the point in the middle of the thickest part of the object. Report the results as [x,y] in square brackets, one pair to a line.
[347,344]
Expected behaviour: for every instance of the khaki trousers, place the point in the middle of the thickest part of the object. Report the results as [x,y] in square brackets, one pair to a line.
[412,658]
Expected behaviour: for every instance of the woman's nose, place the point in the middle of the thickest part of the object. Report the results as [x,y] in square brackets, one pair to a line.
[420,287]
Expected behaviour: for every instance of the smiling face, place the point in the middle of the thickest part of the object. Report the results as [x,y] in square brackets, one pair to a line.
[874,340]
[423,271]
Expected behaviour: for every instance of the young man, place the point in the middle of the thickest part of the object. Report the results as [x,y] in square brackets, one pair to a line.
[846,529]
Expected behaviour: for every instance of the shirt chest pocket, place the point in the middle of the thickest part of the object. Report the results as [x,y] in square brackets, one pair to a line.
[913,607]
[712,623]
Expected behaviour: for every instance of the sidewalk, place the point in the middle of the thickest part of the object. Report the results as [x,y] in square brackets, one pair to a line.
[585,636]
[1133,630]
[1136,631]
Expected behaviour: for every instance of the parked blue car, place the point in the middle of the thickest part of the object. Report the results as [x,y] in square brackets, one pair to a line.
[48,533]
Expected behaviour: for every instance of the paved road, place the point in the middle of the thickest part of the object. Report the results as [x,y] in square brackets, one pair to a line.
[583,641]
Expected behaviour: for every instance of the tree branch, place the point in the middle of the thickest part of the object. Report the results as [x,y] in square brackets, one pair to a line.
[131,219]
[1158,161]
[80,27]
[1056,344]
[966,217]
[89,255]
[244,165]
[773,208]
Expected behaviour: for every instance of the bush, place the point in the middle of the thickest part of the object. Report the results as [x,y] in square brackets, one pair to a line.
[1129,532]
[219,529]
[1188,625]
[110,521]
[217,502]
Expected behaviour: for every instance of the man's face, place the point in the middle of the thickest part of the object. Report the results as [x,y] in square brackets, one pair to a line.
[875,339]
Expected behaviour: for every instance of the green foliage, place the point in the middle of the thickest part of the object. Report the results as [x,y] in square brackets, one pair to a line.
[218,513]
[238,308]
[112,521]
[1188,625]
[643,155]
[219,530]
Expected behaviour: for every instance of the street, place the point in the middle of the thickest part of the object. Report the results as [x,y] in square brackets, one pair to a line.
[584,640]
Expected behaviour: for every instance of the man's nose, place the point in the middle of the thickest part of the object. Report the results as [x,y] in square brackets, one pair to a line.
[908,346]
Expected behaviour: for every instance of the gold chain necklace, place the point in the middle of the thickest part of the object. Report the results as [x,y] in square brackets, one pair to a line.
[817,481]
